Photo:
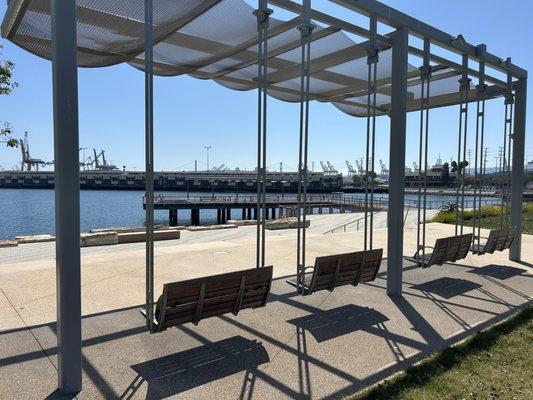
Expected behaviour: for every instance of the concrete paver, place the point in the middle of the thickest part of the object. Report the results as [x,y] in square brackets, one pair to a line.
[320,346]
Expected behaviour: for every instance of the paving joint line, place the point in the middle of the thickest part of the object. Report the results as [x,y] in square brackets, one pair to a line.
[294,335]
[29,330]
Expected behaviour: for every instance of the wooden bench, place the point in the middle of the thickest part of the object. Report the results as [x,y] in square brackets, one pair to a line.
[498,240]
[448,249]
[336,270]
[196,299]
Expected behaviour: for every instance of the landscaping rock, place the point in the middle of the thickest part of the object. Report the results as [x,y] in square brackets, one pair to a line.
[8,243]
[136,237]
[285,223]
[34,239]
[118,230]
[211,227]
[98,239]
[242,222]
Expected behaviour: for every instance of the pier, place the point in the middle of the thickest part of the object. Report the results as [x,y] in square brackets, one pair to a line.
[276,206]
[181,181]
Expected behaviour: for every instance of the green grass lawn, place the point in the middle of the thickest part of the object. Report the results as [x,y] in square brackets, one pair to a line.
[490,218]
[494,364]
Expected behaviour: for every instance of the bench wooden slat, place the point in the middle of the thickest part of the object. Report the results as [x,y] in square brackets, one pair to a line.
[498,240]
[448,249]
[215,294]
[200,298]
[343,269]
[223,308]
[214,283]
[230,299]
[183,320]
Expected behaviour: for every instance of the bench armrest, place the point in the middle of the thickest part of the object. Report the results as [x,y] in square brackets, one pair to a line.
[422,247]
[142,310]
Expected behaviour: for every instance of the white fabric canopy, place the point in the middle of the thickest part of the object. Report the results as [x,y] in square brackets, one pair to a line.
[217,39]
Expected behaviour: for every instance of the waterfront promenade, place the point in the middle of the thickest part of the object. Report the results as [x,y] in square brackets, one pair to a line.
[320,346]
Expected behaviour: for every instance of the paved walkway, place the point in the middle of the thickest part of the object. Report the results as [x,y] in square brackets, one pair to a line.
[321,346]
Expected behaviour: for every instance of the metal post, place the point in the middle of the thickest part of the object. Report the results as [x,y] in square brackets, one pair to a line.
[479,142]
[149,147]
[67,195]
[306,29]
[517,186]
[397,161]
[262,14]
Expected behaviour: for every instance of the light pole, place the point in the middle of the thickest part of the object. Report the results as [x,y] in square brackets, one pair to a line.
[207,148]
[82,149]
[283,189]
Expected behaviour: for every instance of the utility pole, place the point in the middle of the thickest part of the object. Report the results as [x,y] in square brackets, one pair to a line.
[207,148]
[195,165]
[281,166]
[469,161]
[485,161]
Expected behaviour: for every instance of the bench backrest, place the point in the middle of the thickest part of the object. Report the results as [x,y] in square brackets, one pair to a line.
[492,241]
[450,249]
[499,239]
[511,235]
[195,299]
[345,269]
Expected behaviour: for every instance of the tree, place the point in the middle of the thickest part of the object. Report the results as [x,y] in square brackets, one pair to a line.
[448,207]
[459,167]
[358,181]
[445,174]
[7,85]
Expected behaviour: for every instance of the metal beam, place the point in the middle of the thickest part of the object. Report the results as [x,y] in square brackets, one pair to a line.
[517,185]
[456,67]
[383,86]
[357,30]
[276,52]
[451,99]
[397,19]
[321,63]
[67,195]
[398,114]
[290,5]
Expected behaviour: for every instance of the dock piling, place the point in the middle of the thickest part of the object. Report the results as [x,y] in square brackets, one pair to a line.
[195,216]
[173,217]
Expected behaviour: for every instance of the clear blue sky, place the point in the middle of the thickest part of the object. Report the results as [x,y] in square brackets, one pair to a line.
[191,113]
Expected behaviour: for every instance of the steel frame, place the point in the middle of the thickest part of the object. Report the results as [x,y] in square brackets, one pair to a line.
[67,158]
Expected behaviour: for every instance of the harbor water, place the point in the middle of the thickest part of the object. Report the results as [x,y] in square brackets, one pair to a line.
[31,211]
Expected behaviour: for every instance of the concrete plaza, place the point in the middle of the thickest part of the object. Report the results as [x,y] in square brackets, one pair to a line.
[322,346]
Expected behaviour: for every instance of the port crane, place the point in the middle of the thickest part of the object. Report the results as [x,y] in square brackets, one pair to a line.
[220,168]
[331,168]
[360,167]
[351,170]
[384,169]
[28,162]
[103,165]
[328,168]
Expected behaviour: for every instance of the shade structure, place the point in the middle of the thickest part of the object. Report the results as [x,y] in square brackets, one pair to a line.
[217,40]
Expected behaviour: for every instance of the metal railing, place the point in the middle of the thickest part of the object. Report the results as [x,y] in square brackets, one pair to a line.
[436,204]
[246,199]
[356,222]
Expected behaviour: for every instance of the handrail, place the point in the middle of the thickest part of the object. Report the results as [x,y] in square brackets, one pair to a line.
[335,200]
[352,222]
